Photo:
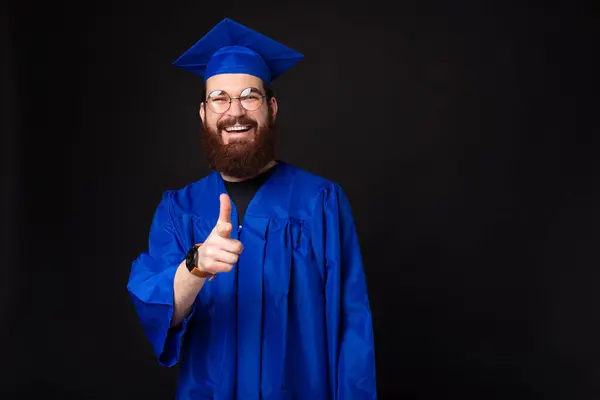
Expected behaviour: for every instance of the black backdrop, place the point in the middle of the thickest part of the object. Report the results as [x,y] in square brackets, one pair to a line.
[460,130]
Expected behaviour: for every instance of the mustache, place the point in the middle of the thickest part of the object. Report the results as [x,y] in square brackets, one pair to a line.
[225,123]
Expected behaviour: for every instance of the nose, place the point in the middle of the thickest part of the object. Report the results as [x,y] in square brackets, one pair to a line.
[235,108]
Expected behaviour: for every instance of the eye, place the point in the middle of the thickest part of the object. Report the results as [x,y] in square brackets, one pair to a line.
[219,99]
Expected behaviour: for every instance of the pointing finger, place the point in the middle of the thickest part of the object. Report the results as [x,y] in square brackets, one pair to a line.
[229,245]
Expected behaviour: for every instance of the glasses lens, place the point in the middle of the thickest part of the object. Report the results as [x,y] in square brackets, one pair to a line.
[218,101]
[251,102]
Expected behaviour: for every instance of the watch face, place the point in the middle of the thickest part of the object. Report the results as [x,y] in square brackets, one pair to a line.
[190,259]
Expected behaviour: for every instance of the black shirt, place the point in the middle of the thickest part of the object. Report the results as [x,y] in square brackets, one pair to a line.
[241,193]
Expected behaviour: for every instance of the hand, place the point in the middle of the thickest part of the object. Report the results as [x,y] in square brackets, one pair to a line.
[219,252]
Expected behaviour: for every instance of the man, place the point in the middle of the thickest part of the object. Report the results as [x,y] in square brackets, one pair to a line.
[276,308]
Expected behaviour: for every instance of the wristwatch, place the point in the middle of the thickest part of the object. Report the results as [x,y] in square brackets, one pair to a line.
[191,263]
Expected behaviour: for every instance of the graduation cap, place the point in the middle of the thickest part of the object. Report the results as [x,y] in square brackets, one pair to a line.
[230,47]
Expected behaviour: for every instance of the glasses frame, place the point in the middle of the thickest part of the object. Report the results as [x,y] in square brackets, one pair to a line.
[254,91]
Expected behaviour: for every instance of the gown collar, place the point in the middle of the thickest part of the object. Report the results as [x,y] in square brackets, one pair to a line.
[265,199]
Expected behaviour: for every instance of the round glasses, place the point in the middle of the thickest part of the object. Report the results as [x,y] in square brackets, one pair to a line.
[250,99]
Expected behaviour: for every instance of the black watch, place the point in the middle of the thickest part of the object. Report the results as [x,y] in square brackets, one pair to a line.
[192,264]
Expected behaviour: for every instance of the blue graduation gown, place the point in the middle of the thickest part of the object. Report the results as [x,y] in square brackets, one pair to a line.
[290,321]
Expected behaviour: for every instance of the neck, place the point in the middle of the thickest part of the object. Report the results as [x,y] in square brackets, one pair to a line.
[269,165]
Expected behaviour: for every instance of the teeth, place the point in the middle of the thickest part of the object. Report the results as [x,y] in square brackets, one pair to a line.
[236,128]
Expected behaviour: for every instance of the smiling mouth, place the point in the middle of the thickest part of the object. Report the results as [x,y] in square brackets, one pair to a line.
[238,129]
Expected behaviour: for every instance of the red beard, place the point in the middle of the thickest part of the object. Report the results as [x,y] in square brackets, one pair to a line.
[240,159]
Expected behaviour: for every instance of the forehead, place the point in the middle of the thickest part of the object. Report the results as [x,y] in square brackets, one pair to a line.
[232,83]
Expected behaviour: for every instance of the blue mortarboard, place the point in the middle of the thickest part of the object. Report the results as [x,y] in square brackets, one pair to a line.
[230,47]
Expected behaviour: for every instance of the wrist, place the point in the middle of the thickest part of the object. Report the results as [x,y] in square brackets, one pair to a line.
[193,266]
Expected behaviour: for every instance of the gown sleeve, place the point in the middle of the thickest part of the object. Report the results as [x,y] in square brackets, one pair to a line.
[348,314]
[150,285]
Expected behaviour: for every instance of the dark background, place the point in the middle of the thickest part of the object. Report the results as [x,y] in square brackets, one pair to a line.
[460,130]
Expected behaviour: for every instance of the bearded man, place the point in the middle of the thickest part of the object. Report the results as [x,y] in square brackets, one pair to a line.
[253,281]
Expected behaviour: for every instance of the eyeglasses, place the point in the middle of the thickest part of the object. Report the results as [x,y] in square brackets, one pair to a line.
[219,101]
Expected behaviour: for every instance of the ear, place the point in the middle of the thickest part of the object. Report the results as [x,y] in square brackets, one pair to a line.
[202,112]
[274,107]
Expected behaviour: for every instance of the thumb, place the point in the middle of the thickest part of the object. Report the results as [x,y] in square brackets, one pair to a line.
[223,229]
[224,226]
[225,211]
